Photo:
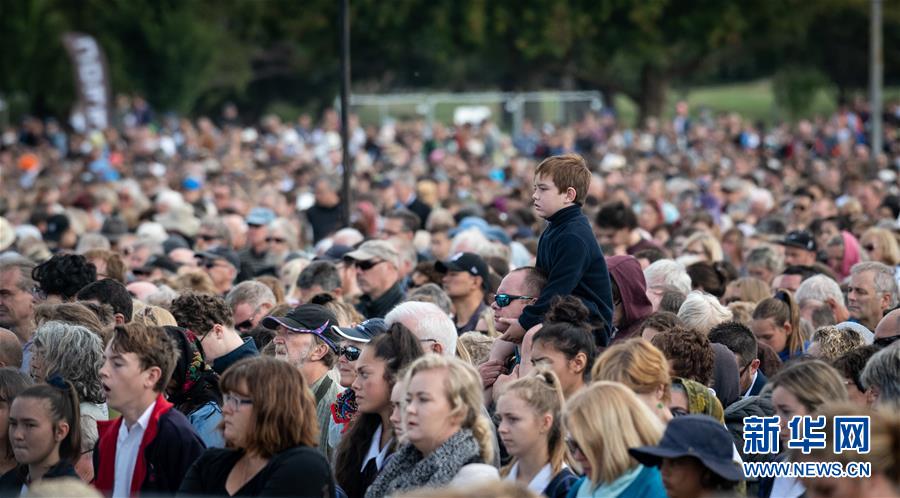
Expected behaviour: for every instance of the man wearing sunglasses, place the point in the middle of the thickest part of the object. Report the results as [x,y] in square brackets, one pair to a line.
[465,279]
[212,321]
[379,278]
[300,339]
[222,265]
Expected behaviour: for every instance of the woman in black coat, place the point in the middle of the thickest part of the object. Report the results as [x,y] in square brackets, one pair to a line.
[269,424]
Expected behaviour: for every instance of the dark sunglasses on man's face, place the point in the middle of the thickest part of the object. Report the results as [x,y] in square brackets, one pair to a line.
[367,265]
[244,326]
[504,300]
[350,352]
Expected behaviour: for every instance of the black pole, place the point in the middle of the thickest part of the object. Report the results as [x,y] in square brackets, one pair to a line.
[345,111]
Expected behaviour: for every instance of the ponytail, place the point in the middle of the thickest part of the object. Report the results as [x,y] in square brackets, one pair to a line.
[783,309]
[542,391]
[64,407]
[482,430]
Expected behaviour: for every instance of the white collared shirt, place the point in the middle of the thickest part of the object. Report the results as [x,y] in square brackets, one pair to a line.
[752,382]
[127,446]
[374,452]
[539,482]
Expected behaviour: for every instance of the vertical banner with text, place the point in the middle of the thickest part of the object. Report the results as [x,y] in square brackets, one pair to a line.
[91,112]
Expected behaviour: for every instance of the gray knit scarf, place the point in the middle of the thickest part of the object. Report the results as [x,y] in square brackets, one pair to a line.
[408,470]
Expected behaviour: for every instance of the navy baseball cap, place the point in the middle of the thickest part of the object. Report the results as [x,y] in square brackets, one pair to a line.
[364,332]
[698,436]
[468,262]
[305,319]
[335,253]
[800,239]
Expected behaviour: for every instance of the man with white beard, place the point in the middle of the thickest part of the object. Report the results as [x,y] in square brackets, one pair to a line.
[300,340]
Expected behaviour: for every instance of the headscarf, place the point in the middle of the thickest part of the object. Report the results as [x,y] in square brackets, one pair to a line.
[701,401]
[195,383]
[851,254]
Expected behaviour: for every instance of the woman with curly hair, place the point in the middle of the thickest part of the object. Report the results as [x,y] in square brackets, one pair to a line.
[75,354]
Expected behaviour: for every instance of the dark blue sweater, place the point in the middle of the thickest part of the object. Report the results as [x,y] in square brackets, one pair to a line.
[569,255]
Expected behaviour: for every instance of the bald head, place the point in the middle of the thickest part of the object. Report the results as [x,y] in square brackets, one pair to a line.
[10,349]
[889,326]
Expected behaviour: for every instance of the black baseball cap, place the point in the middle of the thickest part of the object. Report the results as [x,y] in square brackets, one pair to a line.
[305,319]
[334,253]
[364,332]
[222,253]
[800,239]
[698,436]
[468,262]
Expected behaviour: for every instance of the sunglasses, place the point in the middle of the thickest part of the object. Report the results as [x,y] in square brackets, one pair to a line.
[350,352]
[367,265]
[206,238]
[573,446]
[504,300]
[277,240]
[244,326]
[869,247]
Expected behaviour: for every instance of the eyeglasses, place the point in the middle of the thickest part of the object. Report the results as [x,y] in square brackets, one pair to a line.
[504,300]
[350,352]
[573,446]
[367,265]
[235,402]
[206,237]
[276,240]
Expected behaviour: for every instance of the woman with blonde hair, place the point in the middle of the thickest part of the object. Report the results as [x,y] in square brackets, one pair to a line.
[270,429]
[449,438]
[703,246]
[747,290]
[604,421]
[643,368]
[799,389]
[530,413]
[154,316]
[881,245]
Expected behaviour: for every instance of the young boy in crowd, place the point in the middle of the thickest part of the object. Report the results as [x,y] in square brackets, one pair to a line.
[148,449]
[567,252]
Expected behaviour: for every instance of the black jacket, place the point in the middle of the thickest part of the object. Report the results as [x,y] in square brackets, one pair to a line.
[570,256]
[299,471]
[246,350]
[377,308]
[12,481]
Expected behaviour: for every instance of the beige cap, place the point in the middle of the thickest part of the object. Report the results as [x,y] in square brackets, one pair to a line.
[375,249]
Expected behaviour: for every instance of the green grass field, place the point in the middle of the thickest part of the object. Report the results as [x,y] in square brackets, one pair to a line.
[754,100]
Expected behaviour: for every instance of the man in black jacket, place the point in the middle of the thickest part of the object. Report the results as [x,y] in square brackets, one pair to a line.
[379,277]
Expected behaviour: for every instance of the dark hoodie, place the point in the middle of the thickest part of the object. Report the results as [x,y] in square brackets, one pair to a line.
[626,272]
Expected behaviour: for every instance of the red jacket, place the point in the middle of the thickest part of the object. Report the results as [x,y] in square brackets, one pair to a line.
[169,446]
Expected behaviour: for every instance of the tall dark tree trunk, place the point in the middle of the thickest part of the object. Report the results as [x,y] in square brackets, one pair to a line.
[654,88]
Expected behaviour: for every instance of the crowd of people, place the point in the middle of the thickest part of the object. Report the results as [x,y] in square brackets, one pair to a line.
[578,310]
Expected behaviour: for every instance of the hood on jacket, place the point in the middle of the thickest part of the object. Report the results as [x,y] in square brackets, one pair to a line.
[626,272]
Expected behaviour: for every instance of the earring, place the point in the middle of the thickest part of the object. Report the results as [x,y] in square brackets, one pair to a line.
[659,406]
